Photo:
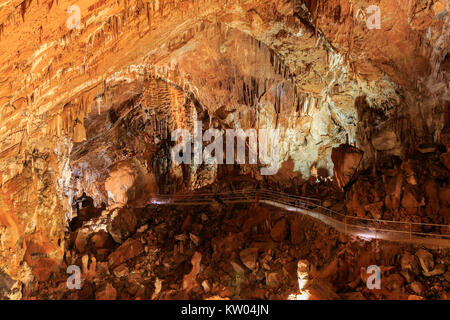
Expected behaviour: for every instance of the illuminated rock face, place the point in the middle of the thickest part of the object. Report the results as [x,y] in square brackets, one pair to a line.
[83,110]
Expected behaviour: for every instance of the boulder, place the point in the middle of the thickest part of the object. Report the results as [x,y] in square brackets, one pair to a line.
[431,193]
[249,257]
[386,140]
[128,250]
[237,267]
[447,276]
[375,209]
[415,297]
[346,159]
[445,159]
[409,200]
[6,286]
[279,230]
[417,288]
[273,280]
[353,296]
[321,290]
[439,270]
[190,280]
[107,293]
[411,263]
[122,224]
[426,260]
[121,178]
[297,234]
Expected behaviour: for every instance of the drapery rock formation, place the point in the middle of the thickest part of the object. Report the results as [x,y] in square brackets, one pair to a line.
[88,111]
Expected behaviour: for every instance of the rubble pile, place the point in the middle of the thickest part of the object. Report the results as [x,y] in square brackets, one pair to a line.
[235,252]
[415,190]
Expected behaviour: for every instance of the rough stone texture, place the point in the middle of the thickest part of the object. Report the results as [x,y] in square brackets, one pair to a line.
[410,262]
[249,257]
[128,250]
[89,109]
[346,160]
[321,290]
[279,230]
[426,260]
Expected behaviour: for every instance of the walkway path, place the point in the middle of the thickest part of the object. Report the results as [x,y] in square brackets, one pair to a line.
[419,233]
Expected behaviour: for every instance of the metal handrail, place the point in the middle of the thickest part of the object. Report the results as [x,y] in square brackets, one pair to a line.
[303,203]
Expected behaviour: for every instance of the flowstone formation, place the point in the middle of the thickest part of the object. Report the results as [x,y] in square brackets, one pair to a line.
[89,103]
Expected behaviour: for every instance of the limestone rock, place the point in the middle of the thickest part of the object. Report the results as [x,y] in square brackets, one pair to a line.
[346,160]
[445,159]
[410,262]
[321,290]
[273,280]
[385,140]
[249,257]
[409,200]
[437,271]
[279,230]
[353,296]
[297,234]
[426,260]
[108,293]
[190,280]
[122,224]
[417,287]
[128,250]
[375,209]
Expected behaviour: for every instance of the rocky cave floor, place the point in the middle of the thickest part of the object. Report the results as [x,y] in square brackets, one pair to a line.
[236,252]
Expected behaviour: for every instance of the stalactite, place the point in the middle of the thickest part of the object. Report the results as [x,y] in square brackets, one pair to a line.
[24,5]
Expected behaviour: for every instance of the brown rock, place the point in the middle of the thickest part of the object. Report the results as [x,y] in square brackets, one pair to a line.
[38,256]
[190,280]
[410,262]
[321,290]
[445,159]
[101,240]
[128,250]
[437,271]
[279,230]
[249,257]
[409,200]
[290,270]
[417,287]
[346,159]
[237,267]
[426,260]
[408,275]
[353,296]
[108,293]
[273,280]
[186,224]
[386,140]
[375,209]
[297,234]
[415,297]
[431,193]
[447,276]
[121,271]
[81,240]
[122,225]
[444,195]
